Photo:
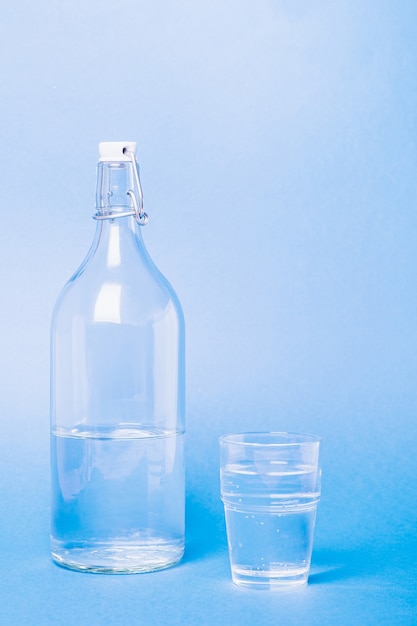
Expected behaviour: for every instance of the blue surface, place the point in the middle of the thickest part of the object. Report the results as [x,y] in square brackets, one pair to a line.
[278,145]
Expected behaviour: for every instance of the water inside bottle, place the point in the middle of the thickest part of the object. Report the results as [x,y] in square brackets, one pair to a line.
[117,499]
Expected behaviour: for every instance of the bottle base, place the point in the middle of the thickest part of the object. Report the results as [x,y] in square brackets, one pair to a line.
[116,557]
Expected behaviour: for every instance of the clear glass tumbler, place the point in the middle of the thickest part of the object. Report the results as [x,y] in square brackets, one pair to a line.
[270,487]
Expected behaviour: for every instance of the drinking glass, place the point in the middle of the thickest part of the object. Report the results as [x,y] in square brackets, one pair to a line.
[270,487]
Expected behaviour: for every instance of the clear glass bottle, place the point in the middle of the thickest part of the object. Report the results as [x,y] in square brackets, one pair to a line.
[117,394]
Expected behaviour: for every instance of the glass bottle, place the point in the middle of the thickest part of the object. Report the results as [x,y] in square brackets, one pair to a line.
[117,394]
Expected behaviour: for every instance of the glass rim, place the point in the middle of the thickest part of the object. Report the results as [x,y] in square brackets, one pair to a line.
[299,438]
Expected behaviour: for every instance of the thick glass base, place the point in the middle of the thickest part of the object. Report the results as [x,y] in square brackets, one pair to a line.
[117,557]
[284,577]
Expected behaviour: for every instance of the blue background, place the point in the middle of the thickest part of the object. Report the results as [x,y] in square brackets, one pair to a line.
[278,151]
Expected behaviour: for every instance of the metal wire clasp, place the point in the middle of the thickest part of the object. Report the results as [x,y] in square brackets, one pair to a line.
[140,215]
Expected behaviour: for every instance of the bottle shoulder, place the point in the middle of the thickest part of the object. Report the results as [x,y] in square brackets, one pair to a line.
[126,286]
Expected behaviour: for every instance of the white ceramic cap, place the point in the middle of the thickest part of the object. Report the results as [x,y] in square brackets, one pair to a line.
[114,150]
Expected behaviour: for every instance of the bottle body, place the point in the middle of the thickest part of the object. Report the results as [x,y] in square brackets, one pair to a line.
[117,410]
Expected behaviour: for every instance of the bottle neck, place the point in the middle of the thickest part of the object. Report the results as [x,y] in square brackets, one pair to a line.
[115,184]
[118,235]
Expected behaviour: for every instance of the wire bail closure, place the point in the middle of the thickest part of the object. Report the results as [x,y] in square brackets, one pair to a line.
[138,212]
[140,215]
